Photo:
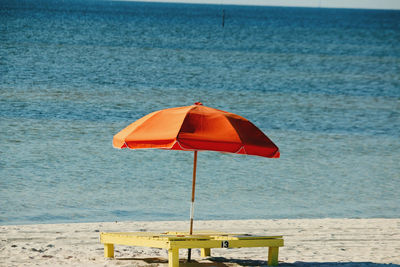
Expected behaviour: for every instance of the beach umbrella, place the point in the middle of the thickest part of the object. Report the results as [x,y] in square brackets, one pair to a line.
[196,128]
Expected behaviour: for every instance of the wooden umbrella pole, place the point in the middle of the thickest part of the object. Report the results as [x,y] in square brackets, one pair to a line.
[192,204]
[193,192]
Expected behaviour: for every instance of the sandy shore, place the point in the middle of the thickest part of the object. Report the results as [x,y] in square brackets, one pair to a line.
[308,242]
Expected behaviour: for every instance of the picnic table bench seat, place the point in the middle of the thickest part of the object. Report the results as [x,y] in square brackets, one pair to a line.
[173,241]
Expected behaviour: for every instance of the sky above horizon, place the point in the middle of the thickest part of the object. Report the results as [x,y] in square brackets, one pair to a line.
[370,4]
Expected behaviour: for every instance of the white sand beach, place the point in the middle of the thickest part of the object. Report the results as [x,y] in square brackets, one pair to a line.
[308,242]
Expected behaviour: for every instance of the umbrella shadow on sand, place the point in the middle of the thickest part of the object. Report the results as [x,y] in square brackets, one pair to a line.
[221,262]
[338,264]
[155,261]
[243,262]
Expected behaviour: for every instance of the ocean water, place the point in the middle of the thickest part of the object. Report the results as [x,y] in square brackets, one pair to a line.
[323,84]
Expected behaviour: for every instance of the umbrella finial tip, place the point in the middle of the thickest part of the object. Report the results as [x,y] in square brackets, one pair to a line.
[198,104]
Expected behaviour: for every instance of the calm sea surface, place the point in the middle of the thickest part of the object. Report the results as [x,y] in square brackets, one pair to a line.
[323,84]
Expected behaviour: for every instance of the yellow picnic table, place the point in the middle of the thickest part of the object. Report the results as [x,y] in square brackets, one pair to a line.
[173,241]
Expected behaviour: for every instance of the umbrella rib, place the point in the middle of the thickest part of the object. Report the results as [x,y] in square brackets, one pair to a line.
[242,147]
[185,149]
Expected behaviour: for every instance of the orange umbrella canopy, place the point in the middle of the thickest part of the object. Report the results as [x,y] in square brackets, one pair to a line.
[196,128]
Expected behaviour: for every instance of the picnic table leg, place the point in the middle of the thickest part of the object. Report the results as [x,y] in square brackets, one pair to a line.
[273,256]
[109,250]
[205,252]
[173,257]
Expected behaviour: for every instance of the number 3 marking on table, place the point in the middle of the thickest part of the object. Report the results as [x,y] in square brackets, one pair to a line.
[225,244]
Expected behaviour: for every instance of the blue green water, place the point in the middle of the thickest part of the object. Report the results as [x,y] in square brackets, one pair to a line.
[323,84]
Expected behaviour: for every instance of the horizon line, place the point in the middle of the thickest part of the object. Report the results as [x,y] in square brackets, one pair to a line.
[279,3]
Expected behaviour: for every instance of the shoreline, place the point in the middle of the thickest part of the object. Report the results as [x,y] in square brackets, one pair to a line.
[308,242]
